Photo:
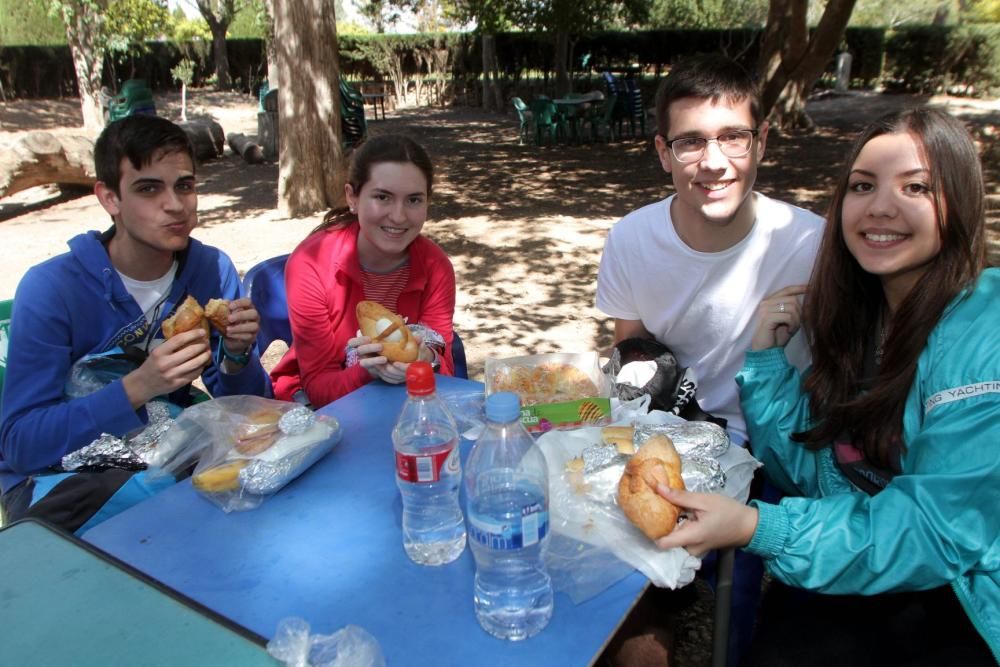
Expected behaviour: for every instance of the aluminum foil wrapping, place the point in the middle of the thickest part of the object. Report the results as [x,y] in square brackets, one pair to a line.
[296,421]
[701,439]
[430,337]
[289,457]
[702,475]
[129,453]
[105,452]
[598,457]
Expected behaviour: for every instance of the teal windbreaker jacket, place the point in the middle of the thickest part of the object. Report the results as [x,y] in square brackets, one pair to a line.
[936,523]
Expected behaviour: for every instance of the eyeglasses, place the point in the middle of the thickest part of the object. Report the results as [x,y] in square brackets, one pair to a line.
[734,143]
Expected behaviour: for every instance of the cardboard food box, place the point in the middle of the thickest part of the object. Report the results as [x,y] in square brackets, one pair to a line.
[557,391]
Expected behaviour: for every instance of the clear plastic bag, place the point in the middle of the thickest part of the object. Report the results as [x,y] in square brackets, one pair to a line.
[585,509]
[246,447]
[351,646]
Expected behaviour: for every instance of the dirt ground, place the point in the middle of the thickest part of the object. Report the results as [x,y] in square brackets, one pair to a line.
[523,225]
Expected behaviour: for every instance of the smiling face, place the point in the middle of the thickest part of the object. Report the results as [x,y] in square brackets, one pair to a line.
[391,208]
[888,217]
[713,209]
[154,213]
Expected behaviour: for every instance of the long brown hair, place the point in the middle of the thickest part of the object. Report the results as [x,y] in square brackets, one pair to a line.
[376,150]
[844,303]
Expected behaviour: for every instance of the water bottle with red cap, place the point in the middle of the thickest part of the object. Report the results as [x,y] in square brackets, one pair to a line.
[428,472]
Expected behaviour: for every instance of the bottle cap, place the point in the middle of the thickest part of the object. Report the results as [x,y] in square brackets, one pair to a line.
[503,406]
[420,379]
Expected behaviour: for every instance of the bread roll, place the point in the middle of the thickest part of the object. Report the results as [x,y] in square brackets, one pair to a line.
[656,462]
[386,327]
[620,437]
[217,314]
[188,316]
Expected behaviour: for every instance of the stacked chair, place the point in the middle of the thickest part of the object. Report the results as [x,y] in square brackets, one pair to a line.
[352,115]
[134,98]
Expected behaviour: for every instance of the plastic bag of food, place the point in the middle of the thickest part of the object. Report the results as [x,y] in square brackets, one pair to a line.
[557,391]
[583,504]
[246,447]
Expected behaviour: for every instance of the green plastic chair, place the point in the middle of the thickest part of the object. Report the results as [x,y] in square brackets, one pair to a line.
[525,118]
[547,119]
[5,310]
[135,98]
[352,115]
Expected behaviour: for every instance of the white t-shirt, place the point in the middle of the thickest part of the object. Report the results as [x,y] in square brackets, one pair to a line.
[150,294]
[703,305]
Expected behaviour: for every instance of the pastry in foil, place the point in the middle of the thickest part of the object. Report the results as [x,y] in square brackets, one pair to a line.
[691,438]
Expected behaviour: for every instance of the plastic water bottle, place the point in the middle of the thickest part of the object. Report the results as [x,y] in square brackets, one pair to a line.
[428,472]
[507,496]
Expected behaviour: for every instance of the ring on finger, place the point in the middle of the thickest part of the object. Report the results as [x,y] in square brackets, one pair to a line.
[781,307]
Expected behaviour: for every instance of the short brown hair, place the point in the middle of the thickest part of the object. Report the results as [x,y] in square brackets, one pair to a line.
[710,77]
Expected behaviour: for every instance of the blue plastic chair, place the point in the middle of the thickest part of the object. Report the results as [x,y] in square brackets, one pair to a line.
[264,283]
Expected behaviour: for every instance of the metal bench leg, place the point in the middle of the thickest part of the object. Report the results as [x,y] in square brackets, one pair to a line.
[723,607]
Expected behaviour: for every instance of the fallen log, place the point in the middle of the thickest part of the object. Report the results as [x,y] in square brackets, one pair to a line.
[241,145]
[207,138]
[40,158]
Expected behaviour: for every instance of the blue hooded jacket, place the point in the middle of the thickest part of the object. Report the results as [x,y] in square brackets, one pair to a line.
[75,305]
[936,523]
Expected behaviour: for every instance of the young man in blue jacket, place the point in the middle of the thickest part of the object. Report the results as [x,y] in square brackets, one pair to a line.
[110,294]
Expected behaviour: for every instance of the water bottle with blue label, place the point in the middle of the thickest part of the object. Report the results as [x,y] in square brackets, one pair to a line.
[507,512]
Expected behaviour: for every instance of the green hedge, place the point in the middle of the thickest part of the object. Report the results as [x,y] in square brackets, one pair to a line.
[914,59]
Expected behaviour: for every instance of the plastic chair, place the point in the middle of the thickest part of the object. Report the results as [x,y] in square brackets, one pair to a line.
[525,117]
[636,114]
[265,285]
[352,115]
[5,310]
[135,98]
[547,120]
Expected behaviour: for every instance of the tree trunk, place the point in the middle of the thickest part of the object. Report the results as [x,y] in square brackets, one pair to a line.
[311,168]
[561,62]
[791,62]
[40,158]
[220,55]
[83,24]
[492,94]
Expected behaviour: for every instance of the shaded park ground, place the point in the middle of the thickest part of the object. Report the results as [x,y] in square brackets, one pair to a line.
[523,225]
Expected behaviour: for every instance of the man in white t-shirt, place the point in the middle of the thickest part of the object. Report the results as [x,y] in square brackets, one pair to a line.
[691,270]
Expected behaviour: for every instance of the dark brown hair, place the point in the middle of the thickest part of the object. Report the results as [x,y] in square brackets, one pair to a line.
[139,138]
[376,150]
[844,303]
[710,77]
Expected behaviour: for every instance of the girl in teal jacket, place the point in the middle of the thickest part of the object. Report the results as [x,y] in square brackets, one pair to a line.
[889,448]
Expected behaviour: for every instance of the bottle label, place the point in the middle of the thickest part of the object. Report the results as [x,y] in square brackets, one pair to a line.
[428,466]
[509,535]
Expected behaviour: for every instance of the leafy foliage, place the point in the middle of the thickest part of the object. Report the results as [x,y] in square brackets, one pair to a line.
[708,14]
[29,22]
[129,24]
